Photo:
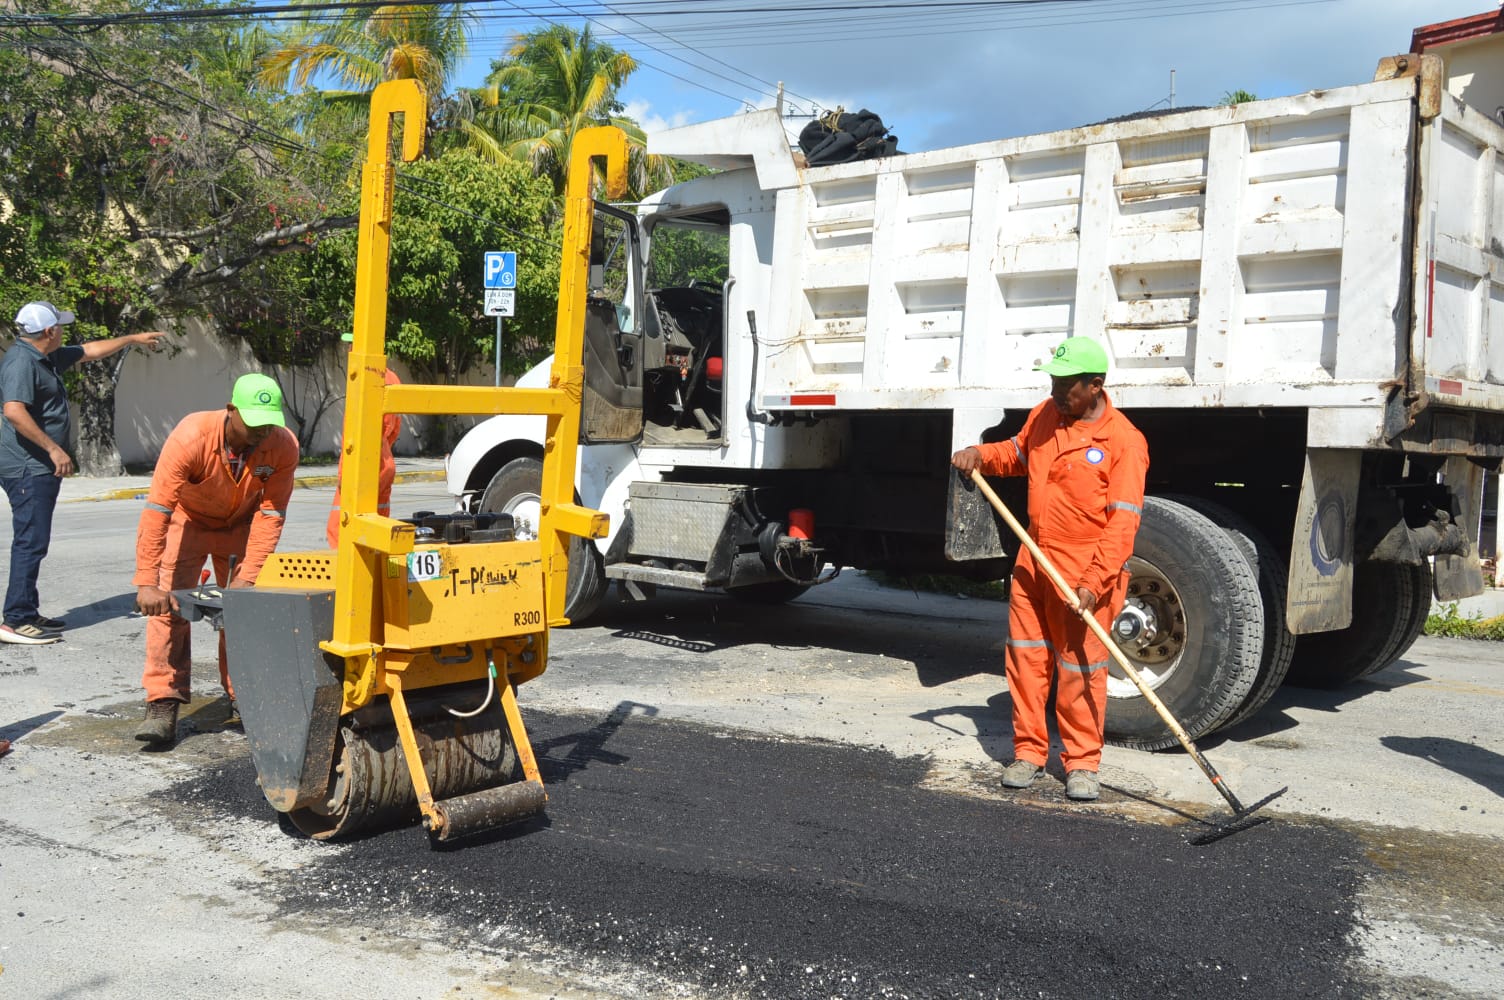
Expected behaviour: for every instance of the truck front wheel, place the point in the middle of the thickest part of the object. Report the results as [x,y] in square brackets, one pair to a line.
[515,490]
[1197,620]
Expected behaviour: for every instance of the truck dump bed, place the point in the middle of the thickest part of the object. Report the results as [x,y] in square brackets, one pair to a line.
[1309,251]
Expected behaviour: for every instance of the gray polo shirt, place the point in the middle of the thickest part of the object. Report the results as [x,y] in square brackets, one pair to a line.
[28,376]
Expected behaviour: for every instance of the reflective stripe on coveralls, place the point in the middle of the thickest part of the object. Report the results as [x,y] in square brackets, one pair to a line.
[196,511]
[1086,493]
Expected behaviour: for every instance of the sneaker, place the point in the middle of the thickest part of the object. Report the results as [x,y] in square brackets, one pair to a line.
[1082,786]
[1020,774]
[160,727]
[50,624]
[28,634]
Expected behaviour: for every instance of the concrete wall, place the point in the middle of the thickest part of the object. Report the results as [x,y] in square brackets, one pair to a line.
[156,390]
[1475,73]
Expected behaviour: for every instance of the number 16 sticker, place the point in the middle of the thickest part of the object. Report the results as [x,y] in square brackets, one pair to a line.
[424,565]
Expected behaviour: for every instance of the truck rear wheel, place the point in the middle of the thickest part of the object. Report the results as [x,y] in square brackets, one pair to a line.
[515,490]
[1279,641]
[1419,612]
[1200,650]
[1390,604]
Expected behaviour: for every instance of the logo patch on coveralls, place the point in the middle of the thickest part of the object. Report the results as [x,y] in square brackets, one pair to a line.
[1095,455]
[264,472]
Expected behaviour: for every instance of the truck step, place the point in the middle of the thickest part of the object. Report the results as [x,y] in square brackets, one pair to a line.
[684,579]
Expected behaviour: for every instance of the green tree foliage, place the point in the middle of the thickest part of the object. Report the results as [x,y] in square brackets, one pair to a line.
[1236,97]
[363,46]
[136,170]
[554,82]
[448,212]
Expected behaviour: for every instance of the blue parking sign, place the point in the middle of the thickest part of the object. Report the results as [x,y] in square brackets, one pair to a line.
[501,269]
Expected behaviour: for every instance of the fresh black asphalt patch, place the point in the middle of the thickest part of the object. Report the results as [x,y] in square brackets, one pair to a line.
[765,868]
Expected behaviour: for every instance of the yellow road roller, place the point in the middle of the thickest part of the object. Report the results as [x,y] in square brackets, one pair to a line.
[377,682]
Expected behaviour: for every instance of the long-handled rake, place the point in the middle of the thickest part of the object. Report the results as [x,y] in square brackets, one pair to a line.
[1243,817]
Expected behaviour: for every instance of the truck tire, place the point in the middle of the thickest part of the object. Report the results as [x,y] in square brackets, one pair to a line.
[515,490]
[1418,615]
[1205,597]
[1390,604]
[1279,641]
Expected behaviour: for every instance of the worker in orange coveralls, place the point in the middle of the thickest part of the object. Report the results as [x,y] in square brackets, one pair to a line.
[391,426]
[1086,465]
[219,492]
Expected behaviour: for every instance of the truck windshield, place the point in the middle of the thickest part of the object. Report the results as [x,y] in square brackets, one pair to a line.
[690,251]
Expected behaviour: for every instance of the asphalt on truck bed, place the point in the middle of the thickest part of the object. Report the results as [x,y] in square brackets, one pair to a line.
[765,867]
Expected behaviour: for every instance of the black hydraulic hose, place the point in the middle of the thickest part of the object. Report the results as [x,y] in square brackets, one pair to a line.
[753,413]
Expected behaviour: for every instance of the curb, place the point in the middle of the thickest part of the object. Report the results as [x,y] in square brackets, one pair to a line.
[302,483]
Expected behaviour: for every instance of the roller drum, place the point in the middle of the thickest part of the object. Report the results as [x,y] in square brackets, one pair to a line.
[488,809]
[371,788]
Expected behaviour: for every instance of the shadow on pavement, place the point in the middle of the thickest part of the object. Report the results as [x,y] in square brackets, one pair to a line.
[588,747]
[15,730]
[1275,718]
[941,651]
[1467,759]
[119,606]
[991,724]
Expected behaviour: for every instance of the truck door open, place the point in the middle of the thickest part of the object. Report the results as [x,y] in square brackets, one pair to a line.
[612,400]
[688,293]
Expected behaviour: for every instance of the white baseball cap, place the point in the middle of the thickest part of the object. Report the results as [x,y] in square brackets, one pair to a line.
[36,317]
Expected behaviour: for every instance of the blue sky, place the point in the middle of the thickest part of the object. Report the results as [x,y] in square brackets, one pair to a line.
[983,70]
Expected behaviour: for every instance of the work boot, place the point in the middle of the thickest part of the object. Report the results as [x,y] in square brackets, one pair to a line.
[160,727]
[1082,786]
[1020,774]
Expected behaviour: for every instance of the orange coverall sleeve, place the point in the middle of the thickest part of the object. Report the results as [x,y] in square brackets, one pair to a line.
[1125,507]
[1009,457]
[174,467]
[391,423]
[267,522]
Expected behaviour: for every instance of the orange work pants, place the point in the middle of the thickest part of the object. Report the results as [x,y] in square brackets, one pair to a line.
[1047,639]
[168,654]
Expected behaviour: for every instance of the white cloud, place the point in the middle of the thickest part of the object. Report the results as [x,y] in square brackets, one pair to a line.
[943,90]
[643,114]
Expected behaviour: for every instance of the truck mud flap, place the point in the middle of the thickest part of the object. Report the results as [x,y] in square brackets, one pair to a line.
[1461,575]
[1321,552]
[972,529]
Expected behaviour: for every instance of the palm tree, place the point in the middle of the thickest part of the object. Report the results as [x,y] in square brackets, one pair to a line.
[1236,97]
[362,47]
[555,82]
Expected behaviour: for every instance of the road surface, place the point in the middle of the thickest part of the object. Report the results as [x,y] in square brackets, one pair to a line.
[752,802]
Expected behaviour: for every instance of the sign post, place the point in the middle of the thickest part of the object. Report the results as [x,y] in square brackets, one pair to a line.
[500,277]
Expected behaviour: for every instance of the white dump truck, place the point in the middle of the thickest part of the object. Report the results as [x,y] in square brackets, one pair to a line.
[1303,300]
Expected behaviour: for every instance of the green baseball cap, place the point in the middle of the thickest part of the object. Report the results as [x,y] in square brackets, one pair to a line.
[1076,356]
[259,400]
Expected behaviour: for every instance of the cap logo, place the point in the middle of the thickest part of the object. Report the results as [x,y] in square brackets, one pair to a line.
[264,398]
[1060,351]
